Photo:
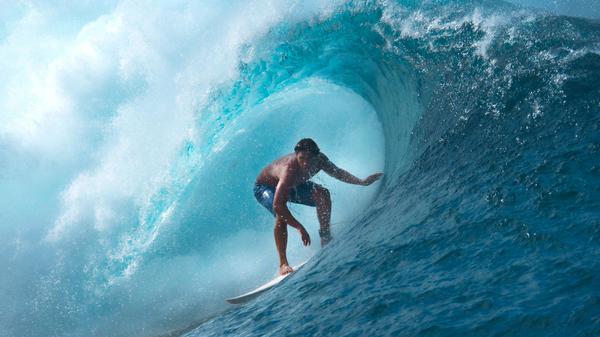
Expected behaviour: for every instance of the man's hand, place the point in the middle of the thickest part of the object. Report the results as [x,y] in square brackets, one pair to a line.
[372,178]
[305,236]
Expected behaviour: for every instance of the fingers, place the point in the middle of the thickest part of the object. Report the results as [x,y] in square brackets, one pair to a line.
[373,178]
[304,236]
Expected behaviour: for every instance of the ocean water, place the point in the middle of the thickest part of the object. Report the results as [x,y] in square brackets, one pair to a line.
[131,134]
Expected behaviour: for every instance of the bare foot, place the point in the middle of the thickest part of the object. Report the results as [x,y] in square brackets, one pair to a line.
[325,235]
[325,241]
[285,269]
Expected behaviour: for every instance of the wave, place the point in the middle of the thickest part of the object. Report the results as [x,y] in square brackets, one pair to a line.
[138,135]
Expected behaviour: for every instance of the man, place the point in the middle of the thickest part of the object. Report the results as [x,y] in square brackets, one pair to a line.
[287,179]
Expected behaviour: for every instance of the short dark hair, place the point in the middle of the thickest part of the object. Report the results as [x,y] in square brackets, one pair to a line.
[307,144]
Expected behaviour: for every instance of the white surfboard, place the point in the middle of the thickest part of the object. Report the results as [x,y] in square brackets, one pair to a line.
[256,292]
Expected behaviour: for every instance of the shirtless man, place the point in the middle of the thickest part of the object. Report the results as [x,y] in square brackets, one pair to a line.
[287,179]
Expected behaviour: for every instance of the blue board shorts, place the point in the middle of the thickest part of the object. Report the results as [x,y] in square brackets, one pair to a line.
[301,194]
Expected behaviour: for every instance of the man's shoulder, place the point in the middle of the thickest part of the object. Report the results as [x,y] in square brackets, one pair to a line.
[323,159]
[288,165]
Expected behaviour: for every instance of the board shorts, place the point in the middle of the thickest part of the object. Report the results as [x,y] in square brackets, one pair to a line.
[301,194]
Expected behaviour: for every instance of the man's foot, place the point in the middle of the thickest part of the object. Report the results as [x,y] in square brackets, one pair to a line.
[285,269]
[325,237]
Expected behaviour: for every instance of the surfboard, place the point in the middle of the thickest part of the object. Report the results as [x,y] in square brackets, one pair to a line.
[258,291]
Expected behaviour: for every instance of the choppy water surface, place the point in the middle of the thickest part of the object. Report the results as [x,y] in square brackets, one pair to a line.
[137,142]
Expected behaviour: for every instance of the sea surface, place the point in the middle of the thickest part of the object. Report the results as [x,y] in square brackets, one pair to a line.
[131,133]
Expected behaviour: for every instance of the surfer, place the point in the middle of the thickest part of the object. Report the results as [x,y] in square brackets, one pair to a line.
[287,179]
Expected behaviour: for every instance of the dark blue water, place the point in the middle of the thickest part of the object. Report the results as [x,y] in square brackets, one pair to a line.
[131,134]
[488,221]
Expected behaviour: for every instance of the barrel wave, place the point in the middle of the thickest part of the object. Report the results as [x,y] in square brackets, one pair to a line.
[132,136]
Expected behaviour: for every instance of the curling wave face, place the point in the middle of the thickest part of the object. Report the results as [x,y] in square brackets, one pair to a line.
[142,141]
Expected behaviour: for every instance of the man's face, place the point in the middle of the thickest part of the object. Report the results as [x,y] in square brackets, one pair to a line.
[305,159]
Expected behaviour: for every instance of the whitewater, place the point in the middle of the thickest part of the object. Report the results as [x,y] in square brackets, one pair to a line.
[131,133]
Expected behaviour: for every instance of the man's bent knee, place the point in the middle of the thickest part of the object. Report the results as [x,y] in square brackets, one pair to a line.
[321,193]
[280,222]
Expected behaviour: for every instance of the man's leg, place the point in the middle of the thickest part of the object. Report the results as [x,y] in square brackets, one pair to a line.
[322,198]
[281,234]
[265,195]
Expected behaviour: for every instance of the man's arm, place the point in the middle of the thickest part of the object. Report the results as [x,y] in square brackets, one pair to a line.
[282,191]
[345,176]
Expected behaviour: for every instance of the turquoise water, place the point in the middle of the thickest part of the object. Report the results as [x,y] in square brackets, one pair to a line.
[131,136]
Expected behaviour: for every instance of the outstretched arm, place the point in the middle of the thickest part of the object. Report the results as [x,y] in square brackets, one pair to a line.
[345,176]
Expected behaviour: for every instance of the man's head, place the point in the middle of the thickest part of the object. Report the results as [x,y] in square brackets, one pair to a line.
[306,152]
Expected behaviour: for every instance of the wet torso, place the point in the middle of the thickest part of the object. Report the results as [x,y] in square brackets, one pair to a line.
[271,174]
